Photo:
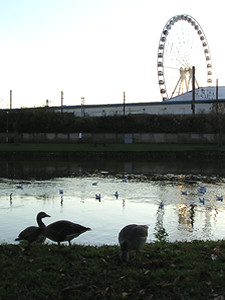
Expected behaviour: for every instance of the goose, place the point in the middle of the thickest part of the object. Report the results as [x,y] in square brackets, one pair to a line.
[34,233]
[132,237]
[63,230]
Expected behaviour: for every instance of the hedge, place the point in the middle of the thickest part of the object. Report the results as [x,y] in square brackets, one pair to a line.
[44,120]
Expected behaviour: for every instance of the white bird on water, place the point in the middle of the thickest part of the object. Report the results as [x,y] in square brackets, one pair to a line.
[20,186]
[161,204]
[202,189]
[116,195]
[98,197]
[202,200]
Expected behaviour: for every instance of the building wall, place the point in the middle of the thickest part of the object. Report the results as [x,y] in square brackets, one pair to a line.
[156,108]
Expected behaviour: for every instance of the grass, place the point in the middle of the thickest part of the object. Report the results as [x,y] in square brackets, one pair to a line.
[108,147]
[163,270]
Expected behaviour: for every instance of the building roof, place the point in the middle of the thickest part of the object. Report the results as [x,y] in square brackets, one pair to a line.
[202,93]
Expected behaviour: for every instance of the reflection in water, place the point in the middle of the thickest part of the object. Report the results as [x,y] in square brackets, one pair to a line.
[186,215]
[160,231]
[192,214]
[207,222]
[10,199]
[41,169]
[147,196]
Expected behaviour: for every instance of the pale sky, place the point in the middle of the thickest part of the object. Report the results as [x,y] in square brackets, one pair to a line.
[95,49]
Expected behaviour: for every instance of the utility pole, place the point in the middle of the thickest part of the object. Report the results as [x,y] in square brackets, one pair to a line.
[217,96]
[62,97]
[10,101]
[82,107]
[124,103]
[193,91]
[218,117]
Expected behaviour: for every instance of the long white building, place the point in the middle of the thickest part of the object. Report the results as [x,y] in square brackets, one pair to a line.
[207,100]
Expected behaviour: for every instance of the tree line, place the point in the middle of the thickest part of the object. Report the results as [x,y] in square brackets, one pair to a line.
[48,121]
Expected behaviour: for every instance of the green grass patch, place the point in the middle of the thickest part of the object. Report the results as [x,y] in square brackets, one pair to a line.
[194,270]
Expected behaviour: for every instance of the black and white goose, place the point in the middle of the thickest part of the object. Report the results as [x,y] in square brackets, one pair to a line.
[132,237]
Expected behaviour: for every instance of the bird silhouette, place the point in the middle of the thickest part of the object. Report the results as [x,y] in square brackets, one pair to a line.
[34,233]
[63,230]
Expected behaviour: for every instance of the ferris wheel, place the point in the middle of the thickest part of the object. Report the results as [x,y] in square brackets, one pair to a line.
[182,46]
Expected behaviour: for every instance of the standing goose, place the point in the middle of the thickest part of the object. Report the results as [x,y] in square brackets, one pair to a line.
[61,231]
[132,237]
[34,233]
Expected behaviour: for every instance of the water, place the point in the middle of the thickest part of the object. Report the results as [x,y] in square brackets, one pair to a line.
[182,217]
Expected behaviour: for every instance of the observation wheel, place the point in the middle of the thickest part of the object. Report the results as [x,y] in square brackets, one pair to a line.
[182,45]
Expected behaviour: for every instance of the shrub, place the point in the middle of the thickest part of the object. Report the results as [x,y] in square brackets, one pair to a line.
[46,120]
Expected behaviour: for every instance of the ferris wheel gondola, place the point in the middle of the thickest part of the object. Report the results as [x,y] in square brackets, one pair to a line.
[182,45]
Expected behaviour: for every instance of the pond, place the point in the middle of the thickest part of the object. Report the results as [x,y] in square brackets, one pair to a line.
[141,187]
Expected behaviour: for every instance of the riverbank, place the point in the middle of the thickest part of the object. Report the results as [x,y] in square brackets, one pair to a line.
[117,151]
[162,271]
